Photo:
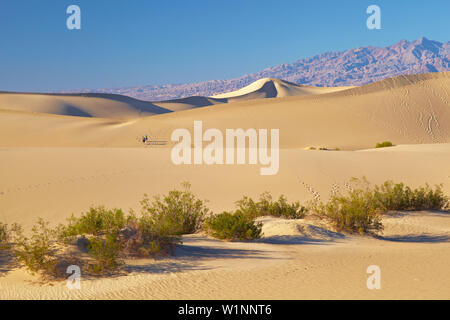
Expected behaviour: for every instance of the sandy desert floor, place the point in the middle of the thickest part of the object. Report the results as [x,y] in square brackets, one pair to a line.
[54,163]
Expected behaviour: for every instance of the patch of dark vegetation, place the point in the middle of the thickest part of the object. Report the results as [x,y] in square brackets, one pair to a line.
[266,206]
[392,196]
[385,144]
[233,226]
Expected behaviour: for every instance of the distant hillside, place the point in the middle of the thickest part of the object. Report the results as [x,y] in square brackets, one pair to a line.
[348,68]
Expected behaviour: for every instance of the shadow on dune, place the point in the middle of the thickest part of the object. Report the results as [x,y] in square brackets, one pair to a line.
[216,251]
[188,255]
[74,111]
[419,238]
[143,106]
[87,106]
[7,262]
[163,267]
[428,213]
[295,240]
[195,101]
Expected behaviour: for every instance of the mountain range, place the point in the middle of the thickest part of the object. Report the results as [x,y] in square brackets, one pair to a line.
[352,67]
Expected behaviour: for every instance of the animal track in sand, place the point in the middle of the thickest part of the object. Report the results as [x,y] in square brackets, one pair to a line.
[335,189]
[315,194]
[348,186]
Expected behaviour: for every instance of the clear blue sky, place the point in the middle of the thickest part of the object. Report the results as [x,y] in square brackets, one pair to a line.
[139,42]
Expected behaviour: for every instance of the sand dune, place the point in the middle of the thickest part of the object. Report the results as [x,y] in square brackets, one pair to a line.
[55,162]
[275,88]
[123,107]
[81,105]
[405,110]
[260,89]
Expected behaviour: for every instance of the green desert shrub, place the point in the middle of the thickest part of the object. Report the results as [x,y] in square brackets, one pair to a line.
[360,210]
[150,235]
[97,221]
[4,236]
[233,226]
[112,234]
[384,144]
[392,196]
[38,252]
[106,252]
[266,206]
[426,198]
[109,235]
[179,212]
[355,212]
[103,227]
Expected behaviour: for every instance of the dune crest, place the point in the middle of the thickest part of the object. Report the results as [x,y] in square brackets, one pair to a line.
[275,88]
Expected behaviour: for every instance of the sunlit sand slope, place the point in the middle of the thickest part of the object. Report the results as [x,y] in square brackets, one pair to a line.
[405,110]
